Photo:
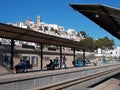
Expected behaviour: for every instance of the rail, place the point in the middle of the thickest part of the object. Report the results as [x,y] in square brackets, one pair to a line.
[70,83]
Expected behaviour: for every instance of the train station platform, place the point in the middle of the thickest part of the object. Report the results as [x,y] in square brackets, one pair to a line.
[72,78]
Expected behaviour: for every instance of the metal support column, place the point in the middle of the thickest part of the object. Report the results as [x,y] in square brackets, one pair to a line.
[73,54]
[41,55]
[12,53]
[60,57]
[84,56]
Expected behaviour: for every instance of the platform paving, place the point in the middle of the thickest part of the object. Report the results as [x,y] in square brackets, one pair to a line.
[112,84]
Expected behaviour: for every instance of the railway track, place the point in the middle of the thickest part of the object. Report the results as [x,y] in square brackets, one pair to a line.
[76,81]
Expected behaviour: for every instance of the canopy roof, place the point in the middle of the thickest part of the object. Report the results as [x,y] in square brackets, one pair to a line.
[12,32]
[106,17]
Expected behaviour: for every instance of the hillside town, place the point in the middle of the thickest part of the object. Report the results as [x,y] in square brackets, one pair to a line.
[59,31]
[51,29]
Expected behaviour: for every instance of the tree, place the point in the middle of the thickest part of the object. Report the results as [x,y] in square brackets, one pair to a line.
[83,33]
[104,43]
[88,41]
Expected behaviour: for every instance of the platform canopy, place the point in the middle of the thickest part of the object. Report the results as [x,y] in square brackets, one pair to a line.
[12,32]
[106,17]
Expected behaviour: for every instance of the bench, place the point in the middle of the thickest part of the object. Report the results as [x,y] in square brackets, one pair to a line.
[22,68]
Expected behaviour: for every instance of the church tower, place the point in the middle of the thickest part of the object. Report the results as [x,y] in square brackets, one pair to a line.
[38,21]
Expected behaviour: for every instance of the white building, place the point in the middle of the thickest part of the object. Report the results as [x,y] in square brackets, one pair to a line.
[108,53]
[73,35]
[52,29]
[21,25]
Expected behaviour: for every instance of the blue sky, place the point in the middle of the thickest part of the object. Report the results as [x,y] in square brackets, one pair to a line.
[55,12]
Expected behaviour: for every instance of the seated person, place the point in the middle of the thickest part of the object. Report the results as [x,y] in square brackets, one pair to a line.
[50,66]
[56,63]
[17,67]
[23,66]
[28,65]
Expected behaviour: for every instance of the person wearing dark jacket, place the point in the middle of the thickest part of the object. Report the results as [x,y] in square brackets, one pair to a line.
[50,66]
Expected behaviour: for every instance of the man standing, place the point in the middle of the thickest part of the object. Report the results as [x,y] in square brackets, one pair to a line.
[64,62]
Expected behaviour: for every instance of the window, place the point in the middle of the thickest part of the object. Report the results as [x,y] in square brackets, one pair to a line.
[40,28]
[45,28]
[47,58]
[34,60]
[7,60]
[26,57]
[58,58]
